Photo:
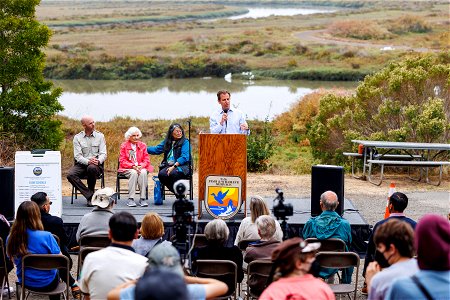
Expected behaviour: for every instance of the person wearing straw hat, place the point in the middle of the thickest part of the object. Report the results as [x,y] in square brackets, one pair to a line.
[292,261]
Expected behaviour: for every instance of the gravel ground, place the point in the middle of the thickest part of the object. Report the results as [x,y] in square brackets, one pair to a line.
[369,199]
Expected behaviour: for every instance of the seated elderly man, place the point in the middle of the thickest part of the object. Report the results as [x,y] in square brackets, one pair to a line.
[263,249]
[330,225]
[96,222]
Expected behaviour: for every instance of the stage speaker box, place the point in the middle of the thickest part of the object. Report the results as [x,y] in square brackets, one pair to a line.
[7,192]
[326,178]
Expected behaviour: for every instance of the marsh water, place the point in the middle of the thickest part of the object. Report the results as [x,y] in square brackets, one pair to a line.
[180,98]
[263,12]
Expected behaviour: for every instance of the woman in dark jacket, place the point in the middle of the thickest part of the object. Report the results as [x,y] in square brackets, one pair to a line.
[175,164]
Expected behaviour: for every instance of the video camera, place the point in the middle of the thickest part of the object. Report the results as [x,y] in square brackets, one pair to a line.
[182,214]
[281,210]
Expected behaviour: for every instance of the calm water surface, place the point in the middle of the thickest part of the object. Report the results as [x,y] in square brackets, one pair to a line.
[261,12]
[180,98]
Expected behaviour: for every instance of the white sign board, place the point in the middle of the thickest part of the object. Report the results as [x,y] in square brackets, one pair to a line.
[39,173]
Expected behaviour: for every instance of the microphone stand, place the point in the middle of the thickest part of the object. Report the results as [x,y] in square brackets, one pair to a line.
[191,192]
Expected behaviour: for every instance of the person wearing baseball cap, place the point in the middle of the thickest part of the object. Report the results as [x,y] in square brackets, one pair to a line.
[292,261]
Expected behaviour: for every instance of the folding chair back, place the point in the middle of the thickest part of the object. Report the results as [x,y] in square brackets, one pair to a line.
[331,244]
[340,260]
[97,240]
[45,262]
[244,244]
[3,271]
[84,251]
[257,274]
[100,177]
[223,270]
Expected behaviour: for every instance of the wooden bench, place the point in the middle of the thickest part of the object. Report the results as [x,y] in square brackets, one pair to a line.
[406,163]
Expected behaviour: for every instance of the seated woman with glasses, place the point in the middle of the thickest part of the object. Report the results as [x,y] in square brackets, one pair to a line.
[175,164]
[134,163]
[248,230]
[28,237]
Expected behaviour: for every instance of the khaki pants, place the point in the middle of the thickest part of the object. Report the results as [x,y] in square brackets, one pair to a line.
[135,179]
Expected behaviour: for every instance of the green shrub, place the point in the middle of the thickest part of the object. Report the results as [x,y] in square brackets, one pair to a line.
[260,147]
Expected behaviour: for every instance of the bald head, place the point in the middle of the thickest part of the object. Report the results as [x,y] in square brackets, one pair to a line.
[329,201]
[88,124]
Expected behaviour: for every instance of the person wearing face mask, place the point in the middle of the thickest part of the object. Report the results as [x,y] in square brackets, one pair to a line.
[292,261]
[394,240]
[175,163]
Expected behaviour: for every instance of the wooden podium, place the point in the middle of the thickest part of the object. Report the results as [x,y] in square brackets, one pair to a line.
[222,154]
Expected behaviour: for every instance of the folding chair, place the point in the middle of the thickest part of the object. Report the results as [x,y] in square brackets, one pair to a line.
[340,260]
[199,240]
[82,255]
[96,240]
[100,177]
[165,190]
[244,244]
[4,271]
[44,262]
[121,176]
[331,244]
[257,274]
[223,270]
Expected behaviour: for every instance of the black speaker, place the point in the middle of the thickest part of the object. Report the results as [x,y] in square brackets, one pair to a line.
[7,192]
[326,178]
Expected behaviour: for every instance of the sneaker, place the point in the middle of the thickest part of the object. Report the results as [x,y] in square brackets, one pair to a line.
[143,203]
[5,290]
[89,203]
[131,203]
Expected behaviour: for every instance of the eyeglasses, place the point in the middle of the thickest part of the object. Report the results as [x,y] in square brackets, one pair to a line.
[49,203]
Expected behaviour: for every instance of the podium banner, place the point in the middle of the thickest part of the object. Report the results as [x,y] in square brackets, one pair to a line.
[38,173]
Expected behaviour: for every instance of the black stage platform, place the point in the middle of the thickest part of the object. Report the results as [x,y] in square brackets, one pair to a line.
[72,214]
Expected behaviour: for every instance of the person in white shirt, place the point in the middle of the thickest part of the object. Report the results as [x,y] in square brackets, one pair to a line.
[105,269]
[227,120]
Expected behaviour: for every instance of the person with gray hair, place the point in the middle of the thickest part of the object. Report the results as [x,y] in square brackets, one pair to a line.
[134,163]
[217,234]
[89,151]
[330,225]
[263,249]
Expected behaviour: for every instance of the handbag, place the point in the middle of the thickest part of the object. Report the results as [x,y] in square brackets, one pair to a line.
[157,191]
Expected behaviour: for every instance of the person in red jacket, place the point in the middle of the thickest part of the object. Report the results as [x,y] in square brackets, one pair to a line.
[134,163]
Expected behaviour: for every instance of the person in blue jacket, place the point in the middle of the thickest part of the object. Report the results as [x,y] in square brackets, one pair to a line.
[329,224]
[175,164]
[28,237]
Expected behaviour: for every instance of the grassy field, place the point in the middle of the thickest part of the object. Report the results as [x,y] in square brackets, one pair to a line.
[113,39]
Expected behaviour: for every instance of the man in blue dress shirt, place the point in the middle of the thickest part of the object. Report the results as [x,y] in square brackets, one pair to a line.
[227,119]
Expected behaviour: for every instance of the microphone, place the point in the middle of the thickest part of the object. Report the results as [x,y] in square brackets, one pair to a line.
[226,122]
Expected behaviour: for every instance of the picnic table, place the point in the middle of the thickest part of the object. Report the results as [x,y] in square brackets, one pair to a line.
[384,153]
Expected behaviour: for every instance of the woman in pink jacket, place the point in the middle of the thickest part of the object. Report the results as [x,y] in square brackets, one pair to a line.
[134,163]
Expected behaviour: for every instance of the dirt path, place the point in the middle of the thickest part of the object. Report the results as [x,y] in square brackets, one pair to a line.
[322,37]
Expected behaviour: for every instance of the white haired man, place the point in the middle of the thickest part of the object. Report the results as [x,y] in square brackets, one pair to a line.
[89,151]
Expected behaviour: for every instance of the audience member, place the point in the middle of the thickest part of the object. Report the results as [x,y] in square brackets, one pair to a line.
[227,120]
[165,256]
[394,240]
[89,151]
[217,232]
[28,236]
[330,225]
[263,249]
[397,205]
[134,164]
[55,225]
[97,221]
[247,229]
[152,231]
[4,232]
[292,261]
[432,281]
[175,163]
[105,269]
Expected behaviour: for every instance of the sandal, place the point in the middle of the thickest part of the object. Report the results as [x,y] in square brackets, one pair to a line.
[76,292]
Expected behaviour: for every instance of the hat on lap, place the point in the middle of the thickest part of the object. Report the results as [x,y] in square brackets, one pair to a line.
[104,197]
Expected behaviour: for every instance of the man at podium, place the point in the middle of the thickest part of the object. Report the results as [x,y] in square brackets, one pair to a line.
[227,120]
